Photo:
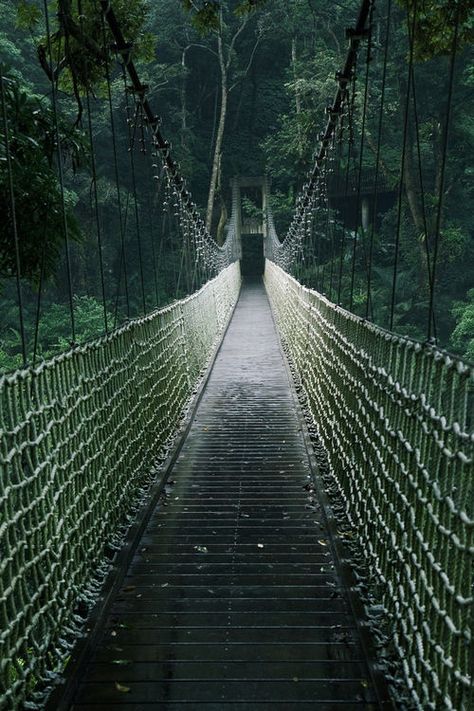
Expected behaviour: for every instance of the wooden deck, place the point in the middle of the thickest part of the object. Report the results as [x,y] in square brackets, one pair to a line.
[233,599]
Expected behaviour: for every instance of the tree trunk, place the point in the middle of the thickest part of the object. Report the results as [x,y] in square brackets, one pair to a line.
[412,190]
[222,224]
[410,175]
[219,137]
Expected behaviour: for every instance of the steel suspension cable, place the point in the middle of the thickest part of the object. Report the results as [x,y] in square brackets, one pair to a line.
[361,155]
[326,219]
[94,185]
[338,182]
[331,226]
[123,260]
[377,160]
[443,168]
[131,146]
[96,210]
[60,169]
[350,135]
[285,251]
[422,192]
[209,252]
[420,168]
[39,297]
[402,168]
[16,241]
[152,225]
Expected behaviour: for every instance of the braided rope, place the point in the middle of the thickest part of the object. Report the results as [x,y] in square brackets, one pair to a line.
[393,416]
[79,436]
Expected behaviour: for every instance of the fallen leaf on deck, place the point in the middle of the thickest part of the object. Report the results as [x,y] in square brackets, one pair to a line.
[122,688]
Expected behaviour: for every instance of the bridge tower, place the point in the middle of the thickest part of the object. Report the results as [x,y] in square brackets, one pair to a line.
[250,228]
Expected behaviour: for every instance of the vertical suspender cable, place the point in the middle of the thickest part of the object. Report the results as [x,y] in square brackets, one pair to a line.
[326,222]
[361,155]
[443,170]
[123,256]
[131,147]
[377,160]
[13,218]
[422,193]
[94,187]
[96,210]
[350,115]
[338,189]
[60,171]
[402,170]
[152,229]
[331,223]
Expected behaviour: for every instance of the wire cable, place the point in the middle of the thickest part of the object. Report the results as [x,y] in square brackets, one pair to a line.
[123,260]
[60,171]
[439,212]
[16,241]
[402,171]
[361,156]
[368,306]
[131,146]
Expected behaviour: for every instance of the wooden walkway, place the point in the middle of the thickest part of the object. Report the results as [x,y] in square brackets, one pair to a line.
[232,600]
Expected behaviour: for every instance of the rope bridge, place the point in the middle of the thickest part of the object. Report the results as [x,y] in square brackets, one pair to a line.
[81,432]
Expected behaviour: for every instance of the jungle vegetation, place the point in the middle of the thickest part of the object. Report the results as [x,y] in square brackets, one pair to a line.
[242,87]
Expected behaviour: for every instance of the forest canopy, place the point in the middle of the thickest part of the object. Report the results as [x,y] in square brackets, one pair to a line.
[242,87]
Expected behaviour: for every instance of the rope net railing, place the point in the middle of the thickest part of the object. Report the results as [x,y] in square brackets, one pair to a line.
[395,418]
[80,436]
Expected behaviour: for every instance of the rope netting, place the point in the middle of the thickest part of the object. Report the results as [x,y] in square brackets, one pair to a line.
[79,437]
[395,418]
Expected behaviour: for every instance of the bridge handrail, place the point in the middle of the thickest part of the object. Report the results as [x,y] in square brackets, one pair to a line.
[393,418]
[80,434]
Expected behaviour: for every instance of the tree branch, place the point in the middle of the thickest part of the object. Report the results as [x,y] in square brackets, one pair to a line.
[233,40]
[250,62]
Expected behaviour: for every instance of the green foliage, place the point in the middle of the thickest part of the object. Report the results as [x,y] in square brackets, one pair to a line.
[274,114]
[462,339]
[250,209]
[435,25]
[54,331]
[79,45]
[206,13]
[37,193]
[56,324]
[28,14]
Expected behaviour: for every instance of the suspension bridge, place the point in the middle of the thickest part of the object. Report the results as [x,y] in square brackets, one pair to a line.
[252,497]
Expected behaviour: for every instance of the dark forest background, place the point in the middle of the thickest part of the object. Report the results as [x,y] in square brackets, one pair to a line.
[241,95]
